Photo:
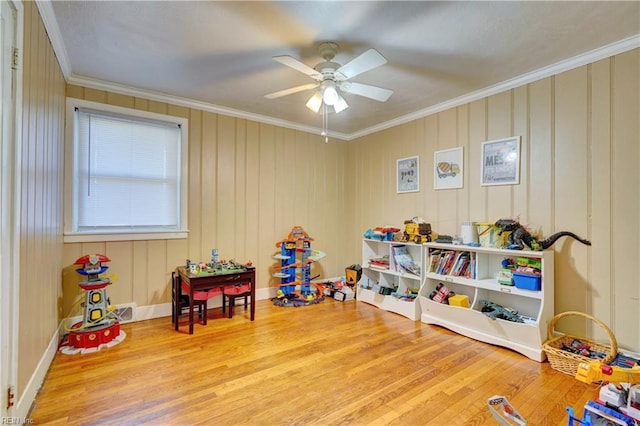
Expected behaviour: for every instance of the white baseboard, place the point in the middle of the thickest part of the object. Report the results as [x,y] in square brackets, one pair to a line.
[27,397]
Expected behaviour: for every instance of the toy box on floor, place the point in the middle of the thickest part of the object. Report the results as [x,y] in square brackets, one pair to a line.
[338,289]
[345,293]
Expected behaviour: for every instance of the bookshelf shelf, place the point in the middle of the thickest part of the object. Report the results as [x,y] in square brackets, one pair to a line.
[480,283]
[392,288]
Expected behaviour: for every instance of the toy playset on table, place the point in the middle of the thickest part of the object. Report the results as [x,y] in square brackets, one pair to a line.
[216,266]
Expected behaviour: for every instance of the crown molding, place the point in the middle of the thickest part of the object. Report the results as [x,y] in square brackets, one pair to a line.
[53,30]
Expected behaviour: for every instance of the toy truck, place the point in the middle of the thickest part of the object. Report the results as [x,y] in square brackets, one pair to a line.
[417,231]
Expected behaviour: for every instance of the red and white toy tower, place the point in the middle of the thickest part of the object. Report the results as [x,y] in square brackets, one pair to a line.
[98,327]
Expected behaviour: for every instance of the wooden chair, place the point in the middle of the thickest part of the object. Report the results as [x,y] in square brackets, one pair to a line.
[183,307]
[232,292]
[200,299]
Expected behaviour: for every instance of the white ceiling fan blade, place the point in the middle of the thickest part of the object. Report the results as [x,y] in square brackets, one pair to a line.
[292,90]
[298,66]
[372,92]
[367,61]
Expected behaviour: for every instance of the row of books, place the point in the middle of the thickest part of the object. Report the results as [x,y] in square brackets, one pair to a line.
[381,262]
[454,263]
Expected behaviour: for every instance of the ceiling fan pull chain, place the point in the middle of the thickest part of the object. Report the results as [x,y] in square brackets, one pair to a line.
[325,123]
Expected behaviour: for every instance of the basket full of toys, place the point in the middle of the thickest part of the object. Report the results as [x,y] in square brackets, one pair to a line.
[565,352]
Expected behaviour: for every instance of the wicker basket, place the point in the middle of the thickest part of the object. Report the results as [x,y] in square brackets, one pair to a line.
[567,362]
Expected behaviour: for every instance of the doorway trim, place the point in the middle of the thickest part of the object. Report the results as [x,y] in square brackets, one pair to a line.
[10,155]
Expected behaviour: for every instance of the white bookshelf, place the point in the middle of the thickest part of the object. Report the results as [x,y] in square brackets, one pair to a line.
[482,284]
[393,288]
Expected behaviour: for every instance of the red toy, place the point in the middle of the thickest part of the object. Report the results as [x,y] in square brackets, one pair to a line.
[98,327]
[441,294]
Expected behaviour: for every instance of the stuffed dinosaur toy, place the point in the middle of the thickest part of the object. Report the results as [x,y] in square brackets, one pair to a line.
[520,237]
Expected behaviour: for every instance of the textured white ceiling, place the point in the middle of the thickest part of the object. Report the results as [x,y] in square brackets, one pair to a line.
[218,55]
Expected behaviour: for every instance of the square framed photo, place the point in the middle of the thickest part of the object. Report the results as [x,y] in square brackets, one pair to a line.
[447,169]
[407,175]
[500,162]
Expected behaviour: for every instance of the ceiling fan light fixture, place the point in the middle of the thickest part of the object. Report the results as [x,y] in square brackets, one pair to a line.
[315,102]
[340,105]
[329,94]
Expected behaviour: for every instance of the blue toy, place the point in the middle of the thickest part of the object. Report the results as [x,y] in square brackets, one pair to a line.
[296,258]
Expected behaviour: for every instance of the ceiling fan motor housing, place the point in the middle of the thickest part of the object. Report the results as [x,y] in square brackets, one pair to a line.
[328,50]
[328,70]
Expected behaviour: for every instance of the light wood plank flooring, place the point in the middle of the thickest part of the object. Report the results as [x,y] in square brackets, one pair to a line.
[325,364]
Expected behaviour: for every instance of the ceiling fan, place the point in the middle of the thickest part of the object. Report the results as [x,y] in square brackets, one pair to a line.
[331,78]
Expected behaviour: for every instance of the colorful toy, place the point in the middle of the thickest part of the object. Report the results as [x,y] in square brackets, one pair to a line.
[623,398]
[417,230]
[596,371]
[441,294]
[507,415]
[353,274]
[626,400]
[493,311]
[633,403]
[520,237]
[385,233]
[599,414]
[99,327]
[573,419]
[296,258]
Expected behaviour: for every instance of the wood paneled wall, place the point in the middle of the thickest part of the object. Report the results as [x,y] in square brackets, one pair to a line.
[40,291]
[249,184]
[579,172]
[577,130]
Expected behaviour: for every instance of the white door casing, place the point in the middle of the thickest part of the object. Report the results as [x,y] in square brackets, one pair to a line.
[10,145]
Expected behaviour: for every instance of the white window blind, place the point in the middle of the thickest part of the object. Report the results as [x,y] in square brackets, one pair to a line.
[127,174]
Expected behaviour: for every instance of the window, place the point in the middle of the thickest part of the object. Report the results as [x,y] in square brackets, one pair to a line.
[126,174]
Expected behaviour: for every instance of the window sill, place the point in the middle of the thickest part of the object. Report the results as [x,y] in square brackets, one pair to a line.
[99,237]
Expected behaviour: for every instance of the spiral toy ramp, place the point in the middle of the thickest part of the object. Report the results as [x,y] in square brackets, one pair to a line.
[296,259]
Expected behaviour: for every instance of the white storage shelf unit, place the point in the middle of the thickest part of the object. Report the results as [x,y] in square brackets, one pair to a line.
[392,288]
[482,284]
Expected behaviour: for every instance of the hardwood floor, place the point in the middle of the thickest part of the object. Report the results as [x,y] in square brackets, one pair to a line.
[325,364]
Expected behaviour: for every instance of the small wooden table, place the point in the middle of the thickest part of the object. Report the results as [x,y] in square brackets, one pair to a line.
[208,280]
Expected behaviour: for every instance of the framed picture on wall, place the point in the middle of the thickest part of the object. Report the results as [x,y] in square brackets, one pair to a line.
[447,169]
[408,175]
[500,162]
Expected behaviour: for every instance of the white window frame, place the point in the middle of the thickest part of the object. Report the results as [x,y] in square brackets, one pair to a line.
[71,232]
